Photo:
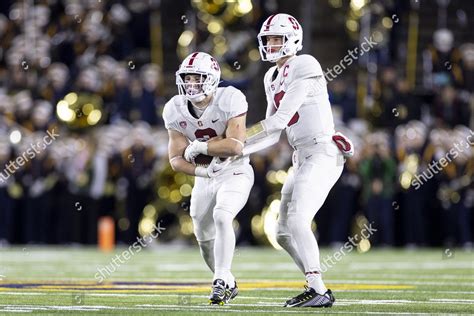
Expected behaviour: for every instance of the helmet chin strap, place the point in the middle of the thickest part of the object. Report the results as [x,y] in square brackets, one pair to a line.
[274,59]
[195,95]
[197,99]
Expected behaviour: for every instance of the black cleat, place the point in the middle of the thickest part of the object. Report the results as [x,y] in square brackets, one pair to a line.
[218,293]
[309,298]
[231,293]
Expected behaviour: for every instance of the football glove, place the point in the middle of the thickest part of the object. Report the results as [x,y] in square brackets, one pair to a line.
[195,148]
[211,171]
[344,144]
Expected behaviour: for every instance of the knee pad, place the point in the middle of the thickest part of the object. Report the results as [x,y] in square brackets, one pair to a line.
[298,221]
[282,229]
[204,229]
[283,235]
[222,218]
[283,240]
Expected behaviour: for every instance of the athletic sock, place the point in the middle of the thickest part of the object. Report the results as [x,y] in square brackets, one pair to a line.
[315,281]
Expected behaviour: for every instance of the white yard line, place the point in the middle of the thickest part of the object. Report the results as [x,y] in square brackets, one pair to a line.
[22,293]
[219,309]
[340,302]
[441,264]
[449,300]
[407,275]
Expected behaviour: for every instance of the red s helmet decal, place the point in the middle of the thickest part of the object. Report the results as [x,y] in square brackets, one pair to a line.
[215,64]
[294,23]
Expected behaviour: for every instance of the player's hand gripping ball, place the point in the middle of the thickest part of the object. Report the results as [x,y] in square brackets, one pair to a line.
[193,153]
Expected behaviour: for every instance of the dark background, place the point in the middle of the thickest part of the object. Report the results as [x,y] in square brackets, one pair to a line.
[406,103]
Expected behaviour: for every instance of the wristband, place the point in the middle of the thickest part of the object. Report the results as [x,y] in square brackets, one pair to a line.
[201,172]
[201,147]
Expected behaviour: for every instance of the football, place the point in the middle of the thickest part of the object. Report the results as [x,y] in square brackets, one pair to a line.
[202,160]
[205,160]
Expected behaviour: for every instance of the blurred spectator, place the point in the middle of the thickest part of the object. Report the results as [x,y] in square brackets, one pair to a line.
[54,85]
[444,61]
[455,188]
[407,107]
[450,109]
[138,161]
[6,210]
[385,98]
[147,99]
[467,51]
[122,99]
[410,139]
[342,97]
[378,173]
[37,179]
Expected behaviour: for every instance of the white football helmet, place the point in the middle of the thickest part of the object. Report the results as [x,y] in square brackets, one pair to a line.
[207,68]
[281,25]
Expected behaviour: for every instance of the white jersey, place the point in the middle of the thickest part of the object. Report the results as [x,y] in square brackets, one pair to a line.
[227,103]
[314,116]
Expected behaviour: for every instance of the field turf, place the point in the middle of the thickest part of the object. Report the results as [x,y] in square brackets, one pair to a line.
[175,281]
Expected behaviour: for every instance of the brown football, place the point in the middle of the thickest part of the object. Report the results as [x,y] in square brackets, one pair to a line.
[202,160]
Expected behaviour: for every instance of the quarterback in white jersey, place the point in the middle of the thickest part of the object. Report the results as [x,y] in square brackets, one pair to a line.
[297,77]
[298,102]
[206,123]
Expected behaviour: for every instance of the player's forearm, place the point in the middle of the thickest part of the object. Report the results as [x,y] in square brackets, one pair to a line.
[260,144]
[179,164]
[226,147]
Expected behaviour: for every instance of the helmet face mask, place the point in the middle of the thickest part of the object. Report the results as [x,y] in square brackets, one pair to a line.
[198,76]
[272,52]
[191,86]
[288,28]
[193,83]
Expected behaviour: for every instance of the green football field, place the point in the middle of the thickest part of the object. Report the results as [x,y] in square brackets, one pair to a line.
[175,281]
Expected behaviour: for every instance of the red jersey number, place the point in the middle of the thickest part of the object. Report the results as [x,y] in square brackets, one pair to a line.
[277,99]
[205,134]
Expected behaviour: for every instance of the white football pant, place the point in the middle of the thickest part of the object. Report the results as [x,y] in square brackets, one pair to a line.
[214,204]
[316,170]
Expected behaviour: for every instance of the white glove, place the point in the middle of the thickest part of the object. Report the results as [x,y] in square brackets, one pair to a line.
[344,144]
[211,171]
[195,148]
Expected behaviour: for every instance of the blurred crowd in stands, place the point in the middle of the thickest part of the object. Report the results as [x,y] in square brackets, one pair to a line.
[60,189]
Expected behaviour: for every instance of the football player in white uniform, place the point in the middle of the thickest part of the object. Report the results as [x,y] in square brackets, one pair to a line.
[203,122]
[297,101]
